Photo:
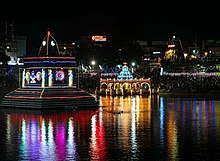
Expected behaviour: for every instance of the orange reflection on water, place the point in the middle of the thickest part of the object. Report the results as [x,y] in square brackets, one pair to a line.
[128,114]
[172,142]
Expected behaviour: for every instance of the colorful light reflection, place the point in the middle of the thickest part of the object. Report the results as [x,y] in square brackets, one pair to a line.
[47,136]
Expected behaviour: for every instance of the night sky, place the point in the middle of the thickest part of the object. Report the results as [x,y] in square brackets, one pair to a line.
[128,20]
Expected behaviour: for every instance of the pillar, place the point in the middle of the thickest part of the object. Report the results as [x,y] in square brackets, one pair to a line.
[23,78]
[43,78]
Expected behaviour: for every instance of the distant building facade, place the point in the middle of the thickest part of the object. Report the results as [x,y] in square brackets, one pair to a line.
[14,46]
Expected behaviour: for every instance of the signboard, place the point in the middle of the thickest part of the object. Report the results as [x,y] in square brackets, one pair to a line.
[98,38]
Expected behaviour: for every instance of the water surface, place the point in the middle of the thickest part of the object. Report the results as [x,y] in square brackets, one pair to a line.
[123,128]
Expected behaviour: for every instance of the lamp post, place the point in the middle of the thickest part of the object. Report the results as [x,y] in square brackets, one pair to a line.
[132,64]
[93,64]
[185,55]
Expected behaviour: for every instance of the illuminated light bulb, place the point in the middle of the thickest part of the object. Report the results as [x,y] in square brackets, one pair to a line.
[44,43]
[52,43]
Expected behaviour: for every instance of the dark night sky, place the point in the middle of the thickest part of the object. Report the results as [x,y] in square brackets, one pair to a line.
[128,20]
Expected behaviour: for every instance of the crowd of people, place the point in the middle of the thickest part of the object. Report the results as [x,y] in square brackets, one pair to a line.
[190,84]
[89,83]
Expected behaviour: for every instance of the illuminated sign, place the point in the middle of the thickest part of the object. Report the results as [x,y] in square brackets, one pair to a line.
[171,46]
[98,38]
[156,52]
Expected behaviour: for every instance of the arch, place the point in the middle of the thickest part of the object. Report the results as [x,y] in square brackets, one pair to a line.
[126,87]
[148,85]
[103,88]
[104,85]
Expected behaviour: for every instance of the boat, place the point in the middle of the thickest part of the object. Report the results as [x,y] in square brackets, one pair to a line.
[49,80]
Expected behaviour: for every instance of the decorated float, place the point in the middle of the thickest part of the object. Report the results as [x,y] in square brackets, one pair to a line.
[49,80]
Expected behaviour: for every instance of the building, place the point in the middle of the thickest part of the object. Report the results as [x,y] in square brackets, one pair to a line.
[14,46]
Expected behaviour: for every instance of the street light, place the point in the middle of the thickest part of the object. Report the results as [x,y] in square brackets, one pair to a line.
[93,62]
[185,55]
[132,64]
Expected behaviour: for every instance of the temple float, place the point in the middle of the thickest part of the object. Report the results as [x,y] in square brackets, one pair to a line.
[49,81]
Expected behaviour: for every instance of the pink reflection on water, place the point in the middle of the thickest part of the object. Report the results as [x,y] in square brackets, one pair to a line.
[45,136]
[61,142]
